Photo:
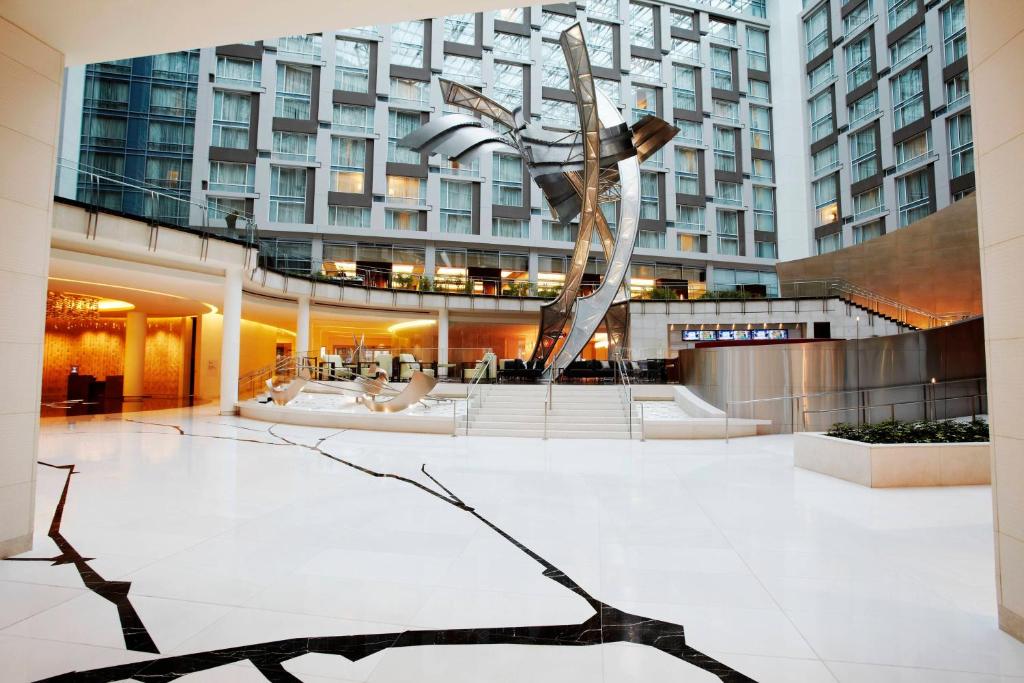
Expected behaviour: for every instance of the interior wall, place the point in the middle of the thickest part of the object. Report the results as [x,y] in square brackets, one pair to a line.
[258,349]
[30,78]
[995,30]
[98,352]
[468,340]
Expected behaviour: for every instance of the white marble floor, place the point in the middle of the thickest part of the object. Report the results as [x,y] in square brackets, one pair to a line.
[235,542]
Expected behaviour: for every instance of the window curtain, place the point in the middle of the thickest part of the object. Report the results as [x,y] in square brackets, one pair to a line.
[351,116]
[170,133]
[109,91]
[231,107]
[686,160]
[907,85]
[721,59]
[176,62]
[683,77]
[401,124]
[728,223]
[757,40]
[348,152]
[508,169]
[816,24]
[291,143]
[237,69]
[456,196]
[294,80]
[725,139]
[106,127]
[763,199]
[288,182]
[825,191]
[760,119]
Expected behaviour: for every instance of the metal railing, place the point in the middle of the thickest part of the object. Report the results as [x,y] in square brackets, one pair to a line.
[475,388]
[865,409]
[905,314]
[626,394]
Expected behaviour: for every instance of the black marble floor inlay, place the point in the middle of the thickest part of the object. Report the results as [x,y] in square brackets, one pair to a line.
[607,625]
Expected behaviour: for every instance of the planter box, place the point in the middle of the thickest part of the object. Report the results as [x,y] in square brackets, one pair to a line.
[894,465]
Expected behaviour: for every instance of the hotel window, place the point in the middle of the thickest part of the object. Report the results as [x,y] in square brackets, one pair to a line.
[907,97]
[724,31]
[864,108]
[508,180]
[552,24]
[859,16]
[821,75]
[687,171]
[764,209]
[352,65]
[106,131]
[294,85]
[725,149]
[645,69]
[858,63]
[907,47]
[456,207]
[460,28]
[222,207]
[611,214]
[684,94]
[913,196]
[645,102]
[649,196]
[167,172]
[641,25]
[558,114]
[691,132]
[177,66]
[351,118]
[172,100]
[245,72]
[682,20]
[692,243]
[411,91]
[406,190]
[467,70]
[829,243]
[913,150]
[957,89]
[348,165]
[559,232]
[724,109]
[863,155]
[961,145]
[407,44]
[816,32]
[512,15]
[398,219]
[757,49]
[758,90]
[721,68]
[825,202]
[609,9]
[106,94]
[609,88]
[900,11]
[762,169]
[348,216]
[228,177]
[825,159]
[690,218]
[511,228]
[231,113]
[601,44]
[304,46]
[650,239]
[685,49]
[868,203]
[287,195]
[760,127]
[766,249]
[400,124]
[170,136]
[728,193]
[508,84]
[728,232]
[868,231]
[511,45]
[293,146]
[821,116]
[954,32]
[554,72]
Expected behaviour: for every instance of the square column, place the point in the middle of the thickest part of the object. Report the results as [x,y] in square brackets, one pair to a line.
[231,339]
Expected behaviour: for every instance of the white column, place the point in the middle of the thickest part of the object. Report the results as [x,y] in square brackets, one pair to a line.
[231,338]
[442,335]
[302,327]
[28,137]
[134,354]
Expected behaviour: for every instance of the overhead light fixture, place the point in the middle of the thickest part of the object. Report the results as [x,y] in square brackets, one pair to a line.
[411,325]
[113,306]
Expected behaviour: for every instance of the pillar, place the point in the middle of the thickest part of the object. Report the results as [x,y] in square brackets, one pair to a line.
[442,337]
[302,327]
[995,39]
[231,338]
[28,138]
[134,354]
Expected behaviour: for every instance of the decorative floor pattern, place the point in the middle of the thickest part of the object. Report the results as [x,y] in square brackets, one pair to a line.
[182,546]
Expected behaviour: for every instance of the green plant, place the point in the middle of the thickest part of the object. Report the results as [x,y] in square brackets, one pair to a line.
[928,431]
[401,280]
[729,294]
[425,285]
[517,288]
[662,294]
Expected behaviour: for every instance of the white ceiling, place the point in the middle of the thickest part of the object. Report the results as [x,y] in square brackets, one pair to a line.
[96,30]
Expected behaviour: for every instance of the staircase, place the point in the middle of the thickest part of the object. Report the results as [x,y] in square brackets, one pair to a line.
[576,412]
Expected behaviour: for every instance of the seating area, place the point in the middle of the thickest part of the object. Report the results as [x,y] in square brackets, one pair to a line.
[518,371]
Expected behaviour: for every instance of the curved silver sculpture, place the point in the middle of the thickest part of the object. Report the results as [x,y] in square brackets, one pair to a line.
[577,172]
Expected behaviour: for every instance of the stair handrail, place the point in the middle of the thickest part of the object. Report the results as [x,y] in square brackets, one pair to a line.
[839,287]
[481,371]
[626,392]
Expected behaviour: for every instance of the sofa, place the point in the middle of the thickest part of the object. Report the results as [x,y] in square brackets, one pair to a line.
[518,371]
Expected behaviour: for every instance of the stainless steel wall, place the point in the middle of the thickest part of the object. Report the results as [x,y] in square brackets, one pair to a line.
[871,378]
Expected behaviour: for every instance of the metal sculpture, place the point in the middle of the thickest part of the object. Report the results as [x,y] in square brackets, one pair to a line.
[577,172]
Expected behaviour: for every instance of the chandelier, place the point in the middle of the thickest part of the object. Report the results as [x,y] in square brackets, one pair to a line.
[70,308]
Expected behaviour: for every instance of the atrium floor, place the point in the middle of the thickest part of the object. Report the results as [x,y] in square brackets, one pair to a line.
[255,548]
